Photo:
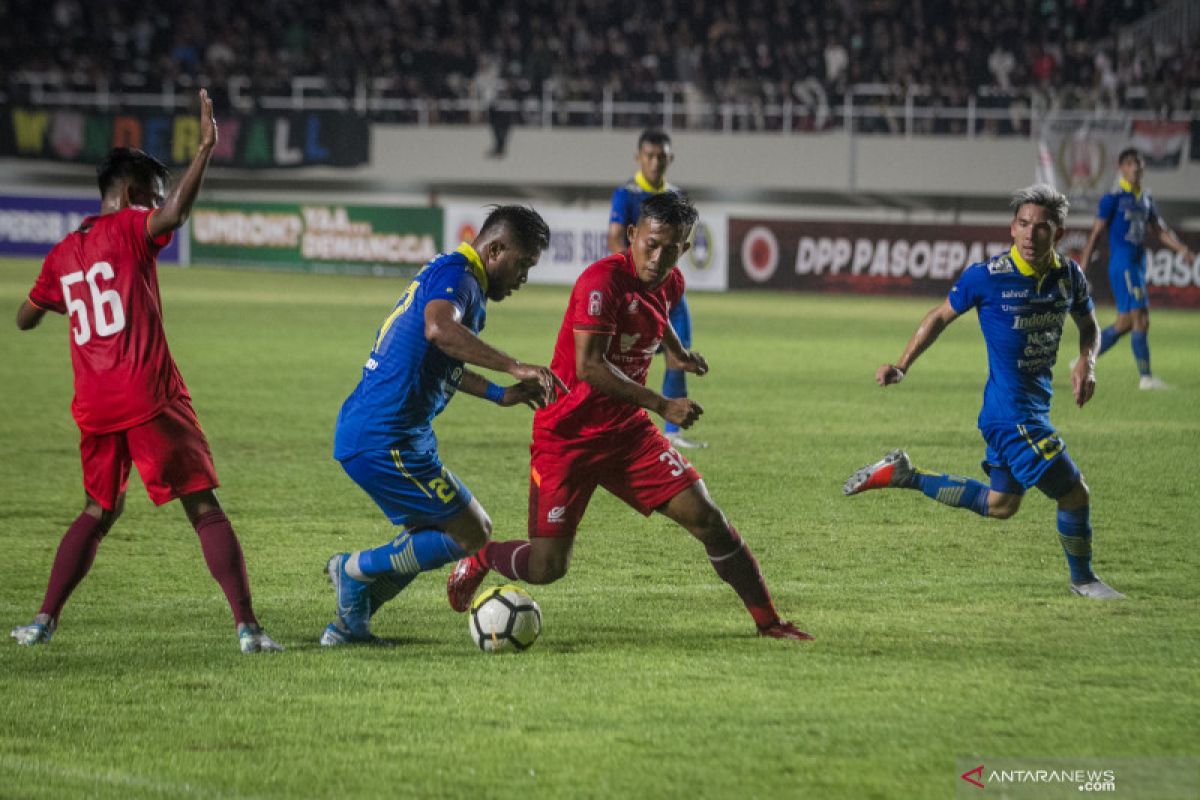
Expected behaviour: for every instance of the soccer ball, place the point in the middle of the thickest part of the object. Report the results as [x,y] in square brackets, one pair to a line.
[505,618]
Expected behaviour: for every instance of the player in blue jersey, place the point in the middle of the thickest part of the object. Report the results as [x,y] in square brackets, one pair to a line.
[1128,212]
[1022,299]
[653,158]
[384,437]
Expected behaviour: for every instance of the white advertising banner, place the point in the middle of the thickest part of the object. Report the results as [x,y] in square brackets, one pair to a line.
[579,238]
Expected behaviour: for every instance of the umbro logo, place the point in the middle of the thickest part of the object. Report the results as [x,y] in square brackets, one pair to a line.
[557,514]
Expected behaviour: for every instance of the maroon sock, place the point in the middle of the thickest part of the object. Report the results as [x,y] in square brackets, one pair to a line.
[223,554]
[74,558]
[734,562]
[510,559]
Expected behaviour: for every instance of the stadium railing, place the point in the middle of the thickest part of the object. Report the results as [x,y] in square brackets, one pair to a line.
[862,108]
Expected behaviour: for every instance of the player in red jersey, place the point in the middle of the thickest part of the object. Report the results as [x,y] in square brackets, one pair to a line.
[131,404]
[600,434]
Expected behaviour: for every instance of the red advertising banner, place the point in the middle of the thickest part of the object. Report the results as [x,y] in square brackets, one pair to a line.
[915,259]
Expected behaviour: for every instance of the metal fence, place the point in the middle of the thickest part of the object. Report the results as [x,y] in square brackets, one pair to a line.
[869,109]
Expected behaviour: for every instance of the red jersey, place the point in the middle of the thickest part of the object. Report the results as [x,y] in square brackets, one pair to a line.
[105,276]
[608,299]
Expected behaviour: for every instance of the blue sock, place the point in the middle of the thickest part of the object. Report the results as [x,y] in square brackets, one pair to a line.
[1108,337]
[410,553]
[674,385]
[1075,533]
[1140,343]
[952,490]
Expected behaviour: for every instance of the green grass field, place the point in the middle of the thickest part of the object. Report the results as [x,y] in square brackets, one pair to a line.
[940,636]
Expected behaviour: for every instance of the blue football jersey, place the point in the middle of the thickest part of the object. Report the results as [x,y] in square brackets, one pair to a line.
[1128,216]
[1022,322]
[627,200]
[407,381]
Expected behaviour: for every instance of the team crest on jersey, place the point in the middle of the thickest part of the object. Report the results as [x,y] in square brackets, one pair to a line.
[1000,265]
[595,303]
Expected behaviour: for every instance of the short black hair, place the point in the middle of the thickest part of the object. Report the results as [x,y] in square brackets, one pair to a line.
[1128,152]
[669,208]
[128,164]
[530,231]
[653,136]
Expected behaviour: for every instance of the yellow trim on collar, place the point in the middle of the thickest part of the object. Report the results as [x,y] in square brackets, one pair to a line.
[1126,186]
[1024,267]
[646,186]
[476,264]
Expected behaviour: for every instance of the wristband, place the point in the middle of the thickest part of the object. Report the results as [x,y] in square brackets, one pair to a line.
[494,393]
[902,372]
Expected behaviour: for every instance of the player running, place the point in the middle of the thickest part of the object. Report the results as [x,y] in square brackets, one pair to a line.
[1022,298]
[384,437]
[653,157]
[131,404]
[1128,212]
[600,433]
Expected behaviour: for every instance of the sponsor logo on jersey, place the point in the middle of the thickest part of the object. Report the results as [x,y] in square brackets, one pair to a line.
[1044,319]
[1007,293]
[998,266]
[628,340]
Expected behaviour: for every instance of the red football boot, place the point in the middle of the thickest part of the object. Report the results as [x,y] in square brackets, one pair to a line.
[782,629]
[464,580]
[894,469]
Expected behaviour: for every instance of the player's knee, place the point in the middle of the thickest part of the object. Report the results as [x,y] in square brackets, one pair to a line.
[1078,496]
[1002,505]
[549,568]
[106,516]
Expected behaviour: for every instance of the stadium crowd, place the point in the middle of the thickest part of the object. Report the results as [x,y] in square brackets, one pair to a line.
[1055,52]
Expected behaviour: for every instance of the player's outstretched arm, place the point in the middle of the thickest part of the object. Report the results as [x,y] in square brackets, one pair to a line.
[29,315]
[679,357]
[528,392]
[445,332]
[1172,241]
[1083,376]
[178,205]
[593,367]
[1085,258]
[926,334]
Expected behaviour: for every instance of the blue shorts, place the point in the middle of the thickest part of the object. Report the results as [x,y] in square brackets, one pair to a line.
[1021,456]
[681,321]
[1128,286]
[412,488]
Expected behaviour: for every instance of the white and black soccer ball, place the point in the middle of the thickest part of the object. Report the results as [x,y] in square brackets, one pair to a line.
[505,618]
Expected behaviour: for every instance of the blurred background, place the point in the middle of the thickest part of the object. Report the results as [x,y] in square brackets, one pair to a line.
[847,145]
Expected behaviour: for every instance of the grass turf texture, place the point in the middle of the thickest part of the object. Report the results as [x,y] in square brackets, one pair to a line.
[940,635]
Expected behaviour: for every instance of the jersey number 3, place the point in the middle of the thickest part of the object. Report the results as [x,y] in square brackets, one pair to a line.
[107,313]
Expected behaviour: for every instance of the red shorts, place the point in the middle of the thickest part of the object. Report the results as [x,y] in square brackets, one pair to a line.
[640,467]
[170,451]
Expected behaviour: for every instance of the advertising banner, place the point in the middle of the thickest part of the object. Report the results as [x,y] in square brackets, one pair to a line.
[255,141]
[579,238]
[316,237]
[1160,142]
[31,225]
[917,259]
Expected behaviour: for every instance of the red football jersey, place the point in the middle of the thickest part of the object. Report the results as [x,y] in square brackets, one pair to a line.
[105,276]
[609,299]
